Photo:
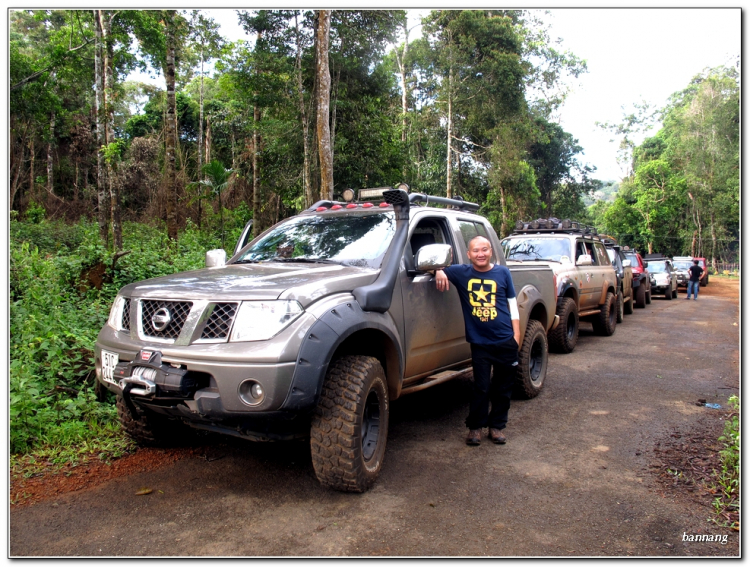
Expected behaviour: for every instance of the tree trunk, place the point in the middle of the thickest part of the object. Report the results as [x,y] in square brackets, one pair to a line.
[208,139]
[200,126]
[401,59]
[102,208]
[309,199]
[324,94]
[17,177]
[256,175]
[504,222]
[31,165]
[109,90]
[171,127]
[50,153]
[449,137]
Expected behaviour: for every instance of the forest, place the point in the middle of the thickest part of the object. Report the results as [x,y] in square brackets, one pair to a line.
[112,180]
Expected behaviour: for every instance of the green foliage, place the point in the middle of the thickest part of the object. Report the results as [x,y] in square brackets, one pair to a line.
[55,318]
[728,479]
[35,213]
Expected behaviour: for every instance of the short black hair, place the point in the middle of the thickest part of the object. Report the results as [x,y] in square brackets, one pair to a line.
[695,262]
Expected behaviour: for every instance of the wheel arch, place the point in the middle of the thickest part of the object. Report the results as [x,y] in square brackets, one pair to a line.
[344,329]
[568,289]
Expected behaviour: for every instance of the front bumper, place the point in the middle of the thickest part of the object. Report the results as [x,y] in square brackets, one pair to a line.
[660,288]
[205,382]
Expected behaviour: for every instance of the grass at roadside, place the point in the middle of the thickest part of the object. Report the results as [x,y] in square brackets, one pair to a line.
[727,480]
[57,308]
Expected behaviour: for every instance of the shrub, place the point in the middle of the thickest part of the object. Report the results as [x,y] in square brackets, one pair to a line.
[54,322]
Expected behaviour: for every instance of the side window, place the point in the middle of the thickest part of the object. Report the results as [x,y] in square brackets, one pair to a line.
[427,231]
[468,231]
[602,254]
[580,249]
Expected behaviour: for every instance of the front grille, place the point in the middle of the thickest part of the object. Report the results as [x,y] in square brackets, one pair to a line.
[175,312]
[126,316]
[220,321]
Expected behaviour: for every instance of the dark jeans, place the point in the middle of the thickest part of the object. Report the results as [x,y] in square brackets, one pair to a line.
[693,287]
[493,388]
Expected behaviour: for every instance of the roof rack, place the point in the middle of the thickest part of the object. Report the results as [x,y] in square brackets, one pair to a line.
[376,194]
[456,202]
[554,225]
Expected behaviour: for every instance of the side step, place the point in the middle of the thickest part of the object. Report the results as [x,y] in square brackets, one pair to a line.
[436,379]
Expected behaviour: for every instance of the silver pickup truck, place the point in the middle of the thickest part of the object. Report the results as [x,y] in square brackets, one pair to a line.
[312,329]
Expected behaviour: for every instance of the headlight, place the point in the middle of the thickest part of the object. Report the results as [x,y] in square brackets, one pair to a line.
[261,320]
[115,314]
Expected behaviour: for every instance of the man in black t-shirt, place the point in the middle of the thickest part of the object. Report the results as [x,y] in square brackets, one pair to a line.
[696,273]
[493,330]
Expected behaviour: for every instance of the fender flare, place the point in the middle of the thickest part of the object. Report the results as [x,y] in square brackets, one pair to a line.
[322,340]
[528,298]
[565,285]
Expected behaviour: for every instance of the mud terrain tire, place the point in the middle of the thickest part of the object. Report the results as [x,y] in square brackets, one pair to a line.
[350,425]
[648,297]
[563,339]
[628,307]
[668,294]
[149,429]
[606,321]
[640,297]
[620,308]
[532,361]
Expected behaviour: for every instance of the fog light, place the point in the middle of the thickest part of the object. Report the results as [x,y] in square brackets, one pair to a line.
[251,392]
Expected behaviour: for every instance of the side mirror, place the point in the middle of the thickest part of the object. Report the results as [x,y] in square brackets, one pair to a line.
[626,264]
[645,265]
[434,257]
[216,258]
[584,260]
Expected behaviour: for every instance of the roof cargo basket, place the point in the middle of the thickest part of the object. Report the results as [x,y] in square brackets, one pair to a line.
[553,225]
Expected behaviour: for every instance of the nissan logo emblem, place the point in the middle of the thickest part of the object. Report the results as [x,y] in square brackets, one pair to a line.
[161,319]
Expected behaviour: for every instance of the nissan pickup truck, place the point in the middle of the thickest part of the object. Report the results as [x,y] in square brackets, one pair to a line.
[312,329]
[585,280]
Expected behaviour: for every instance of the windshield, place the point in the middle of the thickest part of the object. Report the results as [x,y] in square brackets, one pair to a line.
[359,240]
[657,267]
[682,265]
[633,260]
[611,253]
[536,249]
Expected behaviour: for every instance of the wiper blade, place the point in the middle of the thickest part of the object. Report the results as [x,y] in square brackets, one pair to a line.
[302,260]
[247,261]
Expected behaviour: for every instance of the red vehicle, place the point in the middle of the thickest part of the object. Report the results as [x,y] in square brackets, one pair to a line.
[641,280]
[702,264]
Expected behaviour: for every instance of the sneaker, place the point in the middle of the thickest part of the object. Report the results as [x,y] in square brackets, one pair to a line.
[474,437]
[497,437]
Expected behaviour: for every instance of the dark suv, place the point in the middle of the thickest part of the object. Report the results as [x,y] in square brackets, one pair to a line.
[641,277]
[625,297]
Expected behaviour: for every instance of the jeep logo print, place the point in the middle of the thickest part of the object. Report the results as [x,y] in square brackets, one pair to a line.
[161,319]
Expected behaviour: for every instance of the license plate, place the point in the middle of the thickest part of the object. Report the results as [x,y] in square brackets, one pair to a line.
[109,361]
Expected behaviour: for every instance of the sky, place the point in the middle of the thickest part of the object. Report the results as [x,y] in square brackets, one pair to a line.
[633,55]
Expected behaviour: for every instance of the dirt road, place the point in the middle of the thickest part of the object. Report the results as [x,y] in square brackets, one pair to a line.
[583,473]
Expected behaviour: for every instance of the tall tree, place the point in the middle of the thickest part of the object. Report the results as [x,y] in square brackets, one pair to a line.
[205,34]
[325,151]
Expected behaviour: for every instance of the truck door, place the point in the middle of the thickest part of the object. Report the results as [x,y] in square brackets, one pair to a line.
[433,321]
[589,295]
[603,268]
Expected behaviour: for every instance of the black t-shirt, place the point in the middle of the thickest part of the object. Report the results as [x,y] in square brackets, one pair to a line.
[484,300]
[695,273]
